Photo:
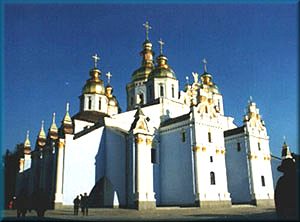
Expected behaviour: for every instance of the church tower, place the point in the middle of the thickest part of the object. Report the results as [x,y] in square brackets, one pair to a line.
[25,162]
[249,156]
[162,82]
[136,89]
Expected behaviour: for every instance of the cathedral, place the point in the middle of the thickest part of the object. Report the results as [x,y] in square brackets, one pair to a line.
[171,147]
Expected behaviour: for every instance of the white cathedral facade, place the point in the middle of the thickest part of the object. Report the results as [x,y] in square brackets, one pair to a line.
[170,148]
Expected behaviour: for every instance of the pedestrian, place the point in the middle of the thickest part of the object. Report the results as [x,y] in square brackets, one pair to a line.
[84,201]
[286,191]
[76,203]
[81,204]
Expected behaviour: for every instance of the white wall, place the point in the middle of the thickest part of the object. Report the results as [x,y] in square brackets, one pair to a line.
[79,164]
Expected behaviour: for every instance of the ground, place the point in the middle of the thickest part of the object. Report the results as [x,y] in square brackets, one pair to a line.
[236,212]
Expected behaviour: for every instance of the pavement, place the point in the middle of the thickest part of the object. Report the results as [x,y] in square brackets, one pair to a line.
[234,213]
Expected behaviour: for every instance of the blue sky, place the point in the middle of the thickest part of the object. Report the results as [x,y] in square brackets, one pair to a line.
[251,49]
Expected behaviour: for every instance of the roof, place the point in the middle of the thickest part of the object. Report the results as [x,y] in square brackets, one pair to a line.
[234,131]
[175,120]
[90,116]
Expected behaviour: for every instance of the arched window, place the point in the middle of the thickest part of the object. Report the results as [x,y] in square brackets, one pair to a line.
[161,90]
[90,103]
[258,144]
[141,97]
[99,103]
[183,136]
[263,181]
[173,92]
[211,159]
[212,178]
[209,137]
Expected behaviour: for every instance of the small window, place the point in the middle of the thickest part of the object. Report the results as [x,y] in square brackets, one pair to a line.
[209,137]
[219,105]
[258,144]
[183,136]
[90,103]
[161,90]
[141,96]
[238,147]
[206,110]
[212,178]
[173,92]
[211,159]
[263,181]
[100,104]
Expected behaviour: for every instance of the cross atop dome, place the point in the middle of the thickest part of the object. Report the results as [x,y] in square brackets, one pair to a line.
[96,58]
[147,27]
[161,43]
[108,75]
[204,64]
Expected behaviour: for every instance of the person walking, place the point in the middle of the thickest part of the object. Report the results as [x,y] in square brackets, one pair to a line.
[76,203]
[85,204]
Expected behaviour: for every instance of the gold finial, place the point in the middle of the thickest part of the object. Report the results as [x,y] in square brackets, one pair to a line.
[147,27]
[161,43]
[96,58]
[204,64]
[42,133]
[67,118]
[27,141]
[109,75]
[53,125]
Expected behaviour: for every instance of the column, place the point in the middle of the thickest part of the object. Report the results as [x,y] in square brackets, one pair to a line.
[59,175]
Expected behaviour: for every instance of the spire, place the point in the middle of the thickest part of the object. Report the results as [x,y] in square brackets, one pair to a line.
[161,59]
[67,118]
[147,28]
[67,126]
[42,134]
[285,152]
[27,141]
[53,125]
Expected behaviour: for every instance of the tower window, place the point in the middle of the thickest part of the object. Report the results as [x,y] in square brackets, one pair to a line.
[141,97]
[258,145]
[212,178]
[100,104]
[90,103]
[238,147]
[183,136]
[263,181]
[161,90]
[173,92]
[211,159]
[209,137]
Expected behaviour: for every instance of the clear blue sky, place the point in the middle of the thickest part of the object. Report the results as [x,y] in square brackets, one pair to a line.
[251,49]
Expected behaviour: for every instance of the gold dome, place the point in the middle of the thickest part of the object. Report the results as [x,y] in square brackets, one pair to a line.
[94,84]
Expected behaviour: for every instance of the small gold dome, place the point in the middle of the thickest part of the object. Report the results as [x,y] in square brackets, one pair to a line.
[94,84]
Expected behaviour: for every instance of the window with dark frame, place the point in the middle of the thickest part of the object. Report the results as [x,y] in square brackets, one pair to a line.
[238,147]
[263,181]
[209,137]
[212,178]
[90,103]
[258,144]
[183,136]
[161,90]
[100,104]
[211,159]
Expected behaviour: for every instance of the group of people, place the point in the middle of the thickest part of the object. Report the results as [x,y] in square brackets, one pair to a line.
[83,203]
[37,201]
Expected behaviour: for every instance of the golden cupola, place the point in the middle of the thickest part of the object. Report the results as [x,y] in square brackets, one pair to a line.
[27,144]
[94,85]
[147,55]
[162,70]
[206,79]
[41,140]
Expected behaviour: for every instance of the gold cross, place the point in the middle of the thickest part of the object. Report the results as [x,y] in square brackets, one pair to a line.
[96,58]
[161,46]
[147,27]
[109,75]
